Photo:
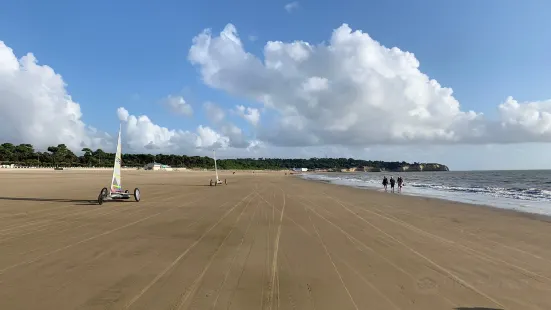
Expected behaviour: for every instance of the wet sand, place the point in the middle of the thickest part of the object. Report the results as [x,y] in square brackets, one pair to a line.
[264,241]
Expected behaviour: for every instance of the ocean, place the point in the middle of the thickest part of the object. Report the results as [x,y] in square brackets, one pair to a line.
[525,191]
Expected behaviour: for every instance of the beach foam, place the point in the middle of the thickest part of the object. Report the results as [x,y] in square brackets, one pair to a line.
[525,199]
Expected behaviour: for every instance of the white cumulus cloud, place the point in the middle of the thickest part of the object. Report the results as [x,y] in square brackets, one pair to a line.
[123,114]
[291,6]
[529,120]
[352,91]
[35,107]
[216,115]
[142,135]
[252,115]
[178,105]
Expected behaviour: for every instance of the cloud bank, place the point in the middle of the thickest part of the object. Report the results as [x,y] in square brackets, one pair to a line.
[143,134]
[36,108]
[349,93]
[355,92]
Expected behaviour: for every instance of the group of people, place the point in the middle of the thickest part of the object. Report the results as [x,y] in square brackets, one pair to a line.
[400,182]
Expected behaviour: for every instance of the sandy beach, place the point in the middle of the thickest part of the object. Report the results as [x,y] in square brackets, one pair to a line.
[264,241]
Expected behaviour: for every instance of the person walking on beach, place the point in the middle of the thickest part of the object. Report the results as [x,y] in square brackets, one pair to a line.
[385,182]
[392,181]
[400,182]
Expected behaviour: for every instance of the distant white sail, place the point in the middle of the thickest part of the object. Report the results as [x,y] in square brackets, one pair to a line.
[215,167]
[116,186]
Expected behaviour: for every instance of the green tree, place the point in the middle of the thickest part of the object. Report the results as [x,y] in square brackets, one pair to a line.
[100,156]
[7,152]
[87,157]
[60,155]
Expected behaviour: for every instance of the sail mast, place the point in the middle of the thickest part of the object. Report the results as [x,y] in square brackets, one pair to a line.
[116,180]
[215,167]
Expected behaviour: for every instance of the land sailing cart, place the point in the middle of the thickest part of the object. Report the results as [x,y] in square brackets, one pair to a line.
[116,192]
[218,181]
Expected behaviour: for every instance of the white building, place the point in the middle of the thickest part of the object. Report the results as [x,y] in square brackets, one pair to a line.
[157,166]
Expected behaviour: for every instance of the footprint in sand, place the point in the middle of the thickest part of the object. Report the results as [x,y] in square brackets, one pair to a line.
[427,285]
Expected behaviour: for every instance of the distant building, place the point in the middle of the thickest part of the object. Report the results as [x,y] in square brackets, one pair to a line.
[157,166]
[300,169]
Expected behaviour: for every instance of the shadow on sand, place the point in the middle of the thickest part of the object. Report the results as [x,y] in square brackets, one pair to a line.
[79,202]
[476,308]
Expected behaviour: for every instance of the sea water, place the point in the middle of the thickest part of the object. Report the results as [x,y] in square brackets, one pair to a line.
[526,191]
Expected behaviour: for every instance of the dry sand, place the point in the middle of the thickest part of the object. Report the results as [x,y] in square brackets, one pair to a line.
[264,241]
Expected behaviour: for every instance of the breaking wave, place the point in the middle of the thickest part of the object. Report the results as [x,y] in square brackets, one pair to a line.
[490,189]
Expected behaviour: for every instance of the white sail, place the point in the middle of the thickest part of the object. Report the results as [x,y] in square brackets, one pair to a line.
[116,180]
[215,167]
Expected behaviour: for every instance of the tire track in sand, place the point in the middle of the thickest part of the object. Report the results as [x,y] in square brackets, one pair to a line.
[137,210]
[451,243]
[2,271]
[275,255]
[290,267]
[355,241]
[190,225]
[232,294]
[266,257]
[292,272]
[34,212]
[47,223]
[223,282]
[450,274]
[479,237]
[333,263]
[359,243]
[67,227]
[191,291]
[45,220]
[364,279]
[179,258]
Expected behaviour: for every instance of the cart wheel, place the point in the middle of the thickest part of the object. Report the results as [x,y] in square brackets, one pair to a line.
[211,182]
[100,199]
[225,182]
[104,192]
[137,195]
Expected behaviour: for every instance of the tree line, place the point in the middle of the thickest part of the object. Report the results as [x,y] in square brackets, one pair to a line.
[61,156]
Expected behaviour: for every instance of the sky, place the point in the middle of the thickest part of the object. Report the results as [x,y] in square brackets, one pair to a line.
[463,83]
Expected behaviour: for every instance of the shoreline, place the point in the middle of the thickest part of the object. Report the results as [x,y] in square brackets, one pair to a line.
[417,197]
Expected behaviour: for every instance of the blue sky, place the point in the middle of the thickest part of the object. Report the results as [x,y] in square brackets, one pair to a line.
[135,53]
